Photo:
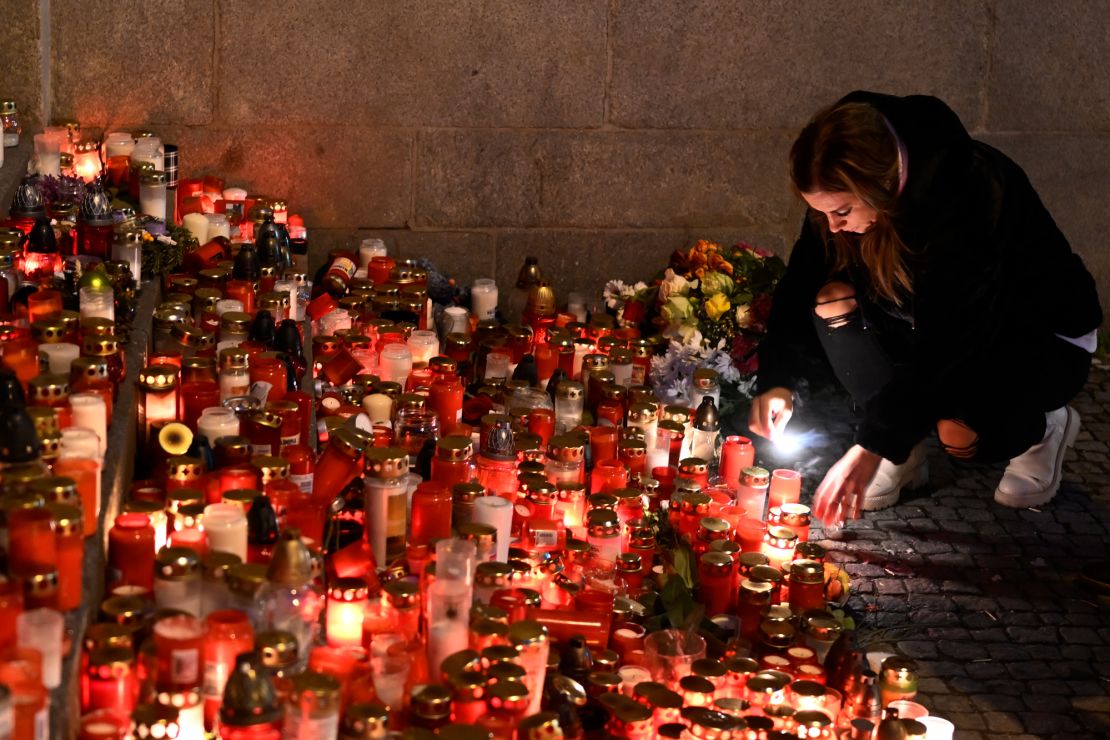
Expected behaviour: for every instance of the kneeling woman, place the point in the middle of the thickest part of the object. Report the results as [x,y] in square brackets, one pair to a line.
[942,293]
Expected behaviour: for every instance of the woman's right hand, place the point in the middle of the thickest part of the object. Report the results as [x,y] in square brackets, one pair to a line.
[770,412]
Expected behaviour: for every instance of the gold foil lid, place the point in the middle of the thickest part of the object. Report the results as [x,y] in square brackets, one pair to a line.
[158,378]
[68,520]
[454,447]
[99,346]
[183,468]
[126,610]
[48,331]
[276,649]
[245,579]
[314,693]
[386,462]
[348,589]
[402,594]
[364,722]
[235,321]
[176,563]
[55,489]
[569,389]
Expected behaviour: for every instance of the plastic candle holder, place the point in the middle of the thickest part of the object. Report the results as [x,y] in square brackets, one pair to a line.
[346,610]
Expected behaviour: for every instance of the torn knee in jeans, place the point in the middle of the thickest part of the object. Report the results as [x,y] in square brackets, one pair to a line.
[836,304]
[958,439]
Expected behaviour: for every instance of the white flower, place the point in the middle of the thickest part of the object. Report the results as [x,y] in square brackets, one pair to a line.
[617,292]
[165,239]
[675,284]
[743,316]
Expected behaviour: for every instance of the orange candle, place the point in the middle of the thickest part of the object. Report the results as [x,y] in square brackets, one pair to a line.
[785,487]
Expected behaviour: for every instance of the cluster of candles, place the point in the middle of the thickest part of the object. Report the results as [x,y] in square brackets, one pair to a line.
[430,526]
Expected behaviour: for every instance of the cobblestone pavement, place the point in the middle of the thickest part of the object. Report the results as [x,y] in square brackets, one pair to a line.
[985,598]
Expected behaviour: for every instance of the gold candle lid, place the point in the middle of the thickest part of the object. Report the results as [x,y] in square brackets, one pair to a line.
[364,722]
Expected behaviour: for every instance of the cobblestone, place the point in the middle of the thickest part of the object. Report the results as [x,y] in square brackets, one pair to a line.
[985,598]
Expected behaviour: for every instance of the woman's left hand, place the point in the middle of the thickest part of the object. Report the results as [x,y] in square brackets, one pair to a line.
[840,495]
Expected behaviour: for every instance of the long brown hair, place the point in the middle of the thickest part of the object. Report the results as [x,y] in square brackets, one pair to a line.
[851,148]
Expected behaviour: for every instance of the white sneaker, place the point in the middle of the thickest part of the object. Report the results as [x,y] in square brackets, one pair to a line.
[1033,477]
[890,479]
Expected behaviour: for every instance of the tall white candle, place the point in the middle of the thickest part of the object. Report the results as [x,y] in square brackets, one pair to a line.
[118,144]
[498,513]
[368,250]
[152,195]
[226,527]
[483,298]
[43,629]
[91,412]
[97,303]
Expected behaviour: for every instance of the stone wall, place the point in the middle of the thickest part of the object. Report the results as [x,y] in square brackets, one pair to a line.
[597,134]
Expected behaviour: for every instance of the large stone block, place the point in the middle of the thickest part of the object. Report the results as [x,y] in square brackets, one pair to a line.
[755,64]
[583,261]
[425,62]
[1048,67]
[21,61]
[358,178]
[1072,175]
[133,62]
[625,179]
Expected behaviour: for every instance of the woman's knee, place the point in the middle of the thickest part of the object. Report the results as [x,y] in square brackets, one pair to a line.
[836,304]
[958,439]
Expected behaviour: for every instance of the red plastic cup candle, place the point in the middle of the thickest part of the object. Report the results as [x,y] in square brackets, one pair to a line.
[608,475]
[229,633]
[131,551]
[178,644]
[749,533]
[737,453]
[785,487]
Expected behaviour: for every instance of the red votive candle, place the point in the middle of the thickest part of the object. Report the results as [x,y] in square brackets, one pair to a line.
[785,487]
[737,453]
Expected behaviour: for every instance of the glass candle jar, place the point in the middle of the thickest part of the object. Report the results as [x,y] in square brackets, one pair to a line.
[85,472]
[111,681]
[345,612]
[751,493]
[386,502]
[69,541]
[313,709]
[569,404]
[431,513]
[807,586]
[177,580]
[483,299]
[158,401]
[778,546]
[131,551]
[31,539]
[226,527]
[179,642]
[229,634]
[716,572]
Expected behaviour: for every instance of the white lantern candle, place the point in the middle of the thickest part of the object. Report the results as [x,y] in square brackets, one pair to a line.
[216,422]
[424,345]
[576,305]
[99,303]
[90,412]
[80,442]
[395,363]
[226,527]
[483,298]
[234,194]
[152,195]
[197,225]
[498,513]
[59,356]
[42,629]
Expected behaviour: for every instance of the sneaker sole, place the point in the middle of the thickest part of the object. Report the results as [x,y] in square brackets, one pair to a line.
[1024,501]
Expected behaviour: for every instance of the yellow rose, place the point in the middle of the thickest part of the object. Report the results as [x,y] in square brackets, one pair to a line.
[717,305]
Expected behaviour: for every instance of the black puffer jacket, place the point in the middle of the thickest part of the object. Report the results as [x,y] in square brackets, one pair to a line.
[990,269]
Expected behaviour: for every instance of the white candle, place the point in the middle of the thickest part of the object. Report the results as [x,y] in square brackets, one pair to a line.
[216,422]
[483,298]
[197,225]
[48,155]
[86,162]
[497,365]
[368,250]
[576,305]
[395,363]
[90,412]
[59,356]
[152,195]
[97,303]
[118,144]
[379,407]
[498,513]
[42,630]
[130,252]
[80,442]
[218,225]
[456,320]
[226,527]
[424,345]
[234,194]
[225,305]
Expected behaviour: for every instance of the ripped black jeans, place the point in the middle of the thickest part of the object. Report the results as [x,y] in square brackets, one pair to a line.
[977,421]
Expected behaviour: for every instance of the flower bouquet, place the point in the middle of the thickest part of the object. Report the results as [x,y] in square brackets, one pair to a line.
[710,307]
